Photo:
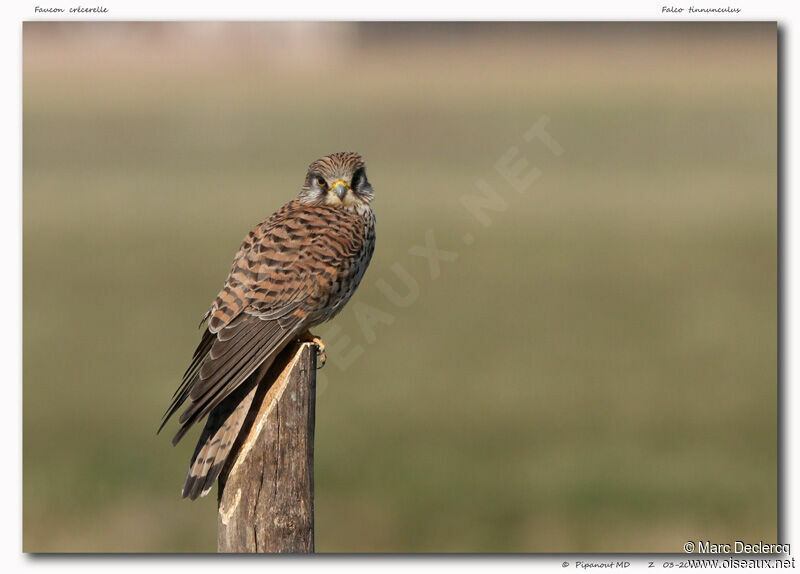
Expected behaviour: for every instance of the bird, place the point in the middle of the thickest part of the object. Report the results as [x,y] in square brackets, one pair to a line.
[293,271]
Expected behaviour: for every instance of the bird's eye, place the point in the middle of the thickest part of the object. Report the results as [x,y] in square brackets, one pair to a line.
[320,181]
[357,177]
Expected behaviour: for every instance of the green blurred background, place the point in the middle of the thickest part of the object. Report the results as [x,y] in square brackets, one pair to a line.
[596,372]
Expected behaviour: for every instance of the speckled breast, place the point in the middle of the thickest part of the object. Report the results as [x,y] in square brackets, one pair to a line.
[351,272]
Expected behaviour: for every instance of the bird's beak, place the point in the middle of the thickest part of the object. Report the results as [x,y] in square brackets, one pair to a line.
[340,189]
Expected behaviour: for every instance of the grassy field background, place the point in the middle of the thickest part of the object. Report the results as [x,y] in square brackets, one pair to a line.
[595,372]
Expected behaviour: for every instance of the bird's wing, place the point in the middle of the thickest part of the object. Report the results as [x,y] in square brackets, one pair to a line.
[265,303]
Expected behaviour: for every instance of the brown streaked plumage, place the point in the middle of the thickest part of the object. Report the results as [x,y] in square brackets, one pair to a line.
[292,272]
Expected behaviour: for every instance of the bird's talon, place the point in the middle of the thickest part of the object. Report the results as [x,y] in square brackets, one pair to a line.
[322,357]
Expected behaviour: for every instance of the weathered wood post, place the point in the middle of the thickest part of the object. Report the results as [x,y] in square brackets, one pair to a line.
[266,495]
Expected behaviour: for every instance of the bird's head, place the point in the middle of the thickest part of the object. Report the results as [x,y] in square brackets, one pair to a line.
[338,180]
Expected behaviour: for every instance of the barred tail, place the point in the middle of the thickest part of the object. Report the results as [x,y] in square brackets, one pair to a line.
[215,444]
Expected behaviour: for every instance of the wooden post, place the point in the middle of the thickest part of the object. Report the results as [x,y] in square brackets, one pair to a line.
[266,495]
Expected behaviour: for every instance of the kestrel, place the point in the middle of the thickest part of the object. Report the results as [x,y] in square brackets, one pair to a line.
[293,271]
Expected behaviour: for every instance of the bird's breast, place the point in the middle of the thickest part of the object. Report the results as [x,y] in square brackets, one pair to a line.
[354,247]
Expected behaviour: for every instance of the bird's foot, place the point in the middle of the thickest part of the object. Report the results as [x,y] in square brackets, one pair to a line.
[308,337]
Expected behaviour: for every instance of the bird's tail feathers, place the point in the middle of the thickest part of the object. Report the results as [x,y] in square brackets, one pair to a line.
[215,444]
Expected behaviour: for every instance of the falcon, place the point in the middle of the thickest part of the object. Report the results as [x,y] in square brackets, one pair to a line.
[293,271]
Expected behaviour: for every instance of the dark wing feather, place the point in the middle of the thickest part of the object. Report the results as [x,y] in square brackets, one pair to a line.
[263,305]
[265,340]
[188,377]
